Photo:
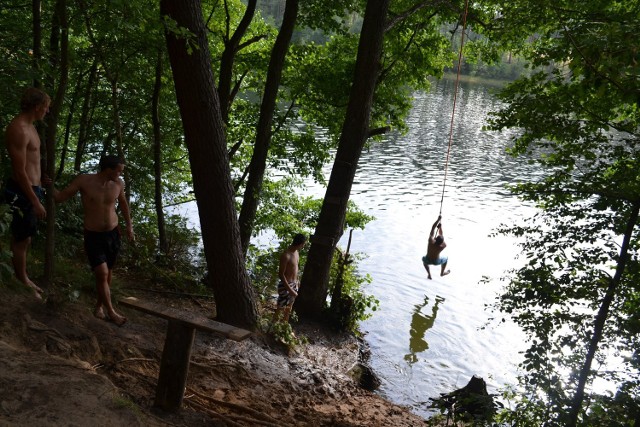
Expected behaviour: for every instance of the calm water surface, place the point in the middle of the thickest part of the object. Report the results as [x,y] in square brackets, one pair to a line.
[429,336]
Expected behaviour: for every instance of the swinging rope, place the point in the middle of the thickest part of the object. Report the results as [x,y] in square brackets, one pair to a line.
[455,98]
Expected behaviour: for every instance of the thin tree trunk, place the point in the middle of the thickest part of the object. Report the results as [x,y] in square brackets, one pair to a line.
[601,318]
[62,56]
[67,128]
[117,124]
[258,162]
[315,280]
[84,116]
[228,57]
[205,140]
[36,11]
[157,156]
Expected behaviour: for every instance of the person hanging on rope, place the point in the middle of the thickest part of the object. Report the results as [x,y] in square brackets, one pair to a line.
[435,247]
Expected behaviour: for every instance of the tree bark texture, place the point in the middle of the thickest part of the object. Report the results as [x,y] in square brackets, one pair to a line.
[204,136]
[315,280]
[258,162]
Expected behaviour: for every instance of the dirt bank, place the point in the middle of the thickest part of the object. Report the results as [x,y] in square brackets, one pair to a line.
[62,366]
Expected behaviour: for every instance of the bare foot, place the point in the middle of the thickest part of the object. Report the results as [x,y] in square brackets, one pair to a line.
[37,291]
[430,277]
[117,319]
[99,313]
[444,273]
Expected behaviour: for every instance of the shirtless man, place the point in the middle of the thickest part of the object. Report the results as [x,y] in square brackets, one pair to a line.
[436,245]
[288,274]
[99,193]
[24,187]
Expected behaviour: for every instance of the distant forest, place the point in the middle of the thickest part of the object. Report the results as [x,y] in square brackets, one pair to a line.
[506,67]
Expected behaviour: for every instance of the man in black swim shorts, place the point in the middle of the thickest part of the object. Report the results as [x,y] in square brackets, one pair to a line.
[23,190]
[99,193]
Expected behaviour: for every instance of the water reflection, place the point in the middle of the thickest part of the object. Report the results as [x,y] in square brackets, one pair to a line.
[420,324]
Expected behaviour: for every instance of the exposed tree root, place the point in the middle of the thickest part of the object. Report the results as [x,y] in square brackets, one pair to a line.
[265,419]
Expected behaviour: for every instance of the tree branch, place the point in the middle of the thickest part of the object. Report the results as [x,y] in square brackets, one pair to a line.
[378,131]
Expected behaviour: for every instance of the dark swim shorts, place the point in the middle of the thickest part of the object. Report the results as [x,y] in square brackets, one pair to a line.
[102,246]
[25,222]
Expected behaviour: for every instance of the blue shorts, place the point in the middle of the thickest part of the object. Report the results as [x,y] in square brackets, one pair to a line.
[441,260]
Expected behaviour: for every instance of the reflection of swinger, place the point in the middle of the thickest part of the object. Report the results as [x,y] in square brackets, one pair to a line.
[420,323]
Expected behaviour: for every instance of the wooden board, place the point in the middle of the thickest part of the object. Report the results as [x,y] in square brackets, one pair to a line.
[194,320]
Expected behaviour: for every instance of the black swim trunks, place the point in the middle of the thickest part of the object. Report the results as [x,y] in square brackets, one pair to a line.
[25,222]
[102,246]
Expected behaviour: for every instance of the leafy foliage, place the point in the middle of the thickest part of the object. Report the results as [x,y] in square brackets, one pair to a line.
[576,296]
[355,306]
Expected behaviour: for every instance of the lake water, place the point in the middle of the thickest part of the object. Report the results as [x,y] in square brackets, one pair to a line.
[430,336]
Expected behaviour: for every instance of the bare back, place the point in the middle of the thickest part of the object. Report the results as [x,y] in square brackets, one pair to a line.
[434,249]
[99,198]
[289,265]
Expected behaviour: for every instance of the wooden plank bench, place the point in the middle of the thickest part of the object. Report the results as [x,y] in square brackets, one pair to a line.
[181,332]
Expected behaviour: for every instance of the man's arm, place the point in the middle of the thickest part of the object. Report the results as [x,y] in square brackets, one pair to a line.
[68,192]
[17,142]
[124,208]
[433,228]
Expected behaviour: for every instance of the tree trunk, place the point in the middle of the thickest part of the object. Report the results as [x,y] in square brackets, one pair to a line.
[62,57]
[36,10]
[67,128]
[117,124]
[205,140]
[84,116]
[315,280]
[263,131]
[601,318]
[157,156]
[228,56]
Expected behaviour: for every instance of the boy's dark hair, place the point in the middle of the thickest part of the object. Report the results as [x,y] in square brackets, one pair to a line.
[439,240]
[31,98]
[299,239]
[110,162]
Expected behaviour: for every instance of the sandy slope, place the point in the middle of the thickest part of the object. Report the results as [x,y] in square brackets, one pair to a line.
[62,366]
